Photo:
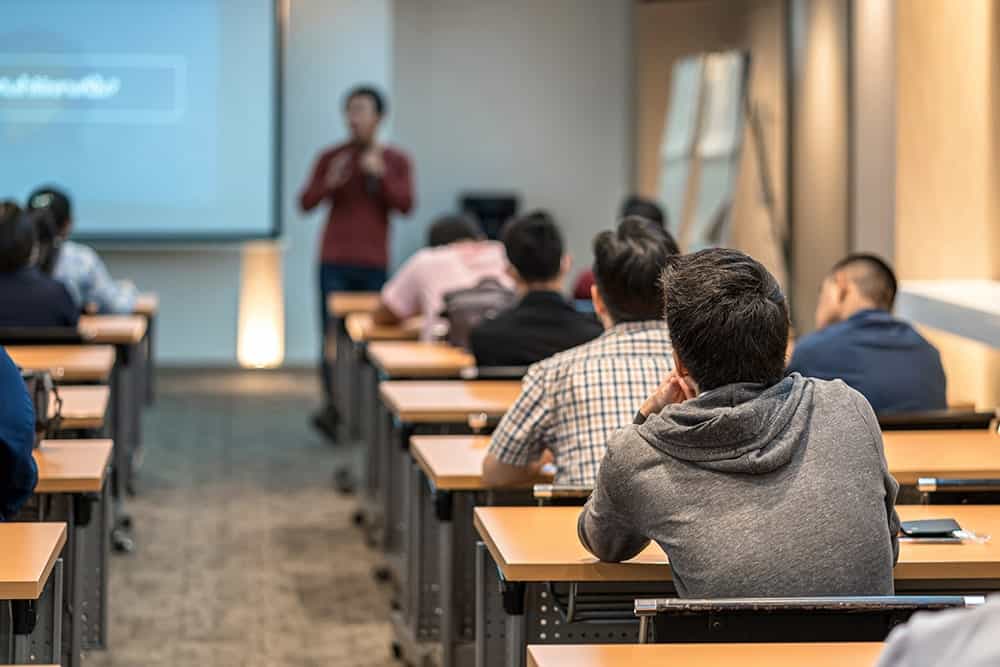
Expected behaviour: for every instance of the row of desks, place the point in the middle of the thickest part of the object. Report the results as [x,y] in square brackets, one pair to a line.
[437,509]
[55,565]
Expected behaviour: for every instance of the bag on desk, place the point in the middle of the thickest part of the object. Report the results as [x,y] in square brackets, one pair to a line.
[465,309]
[43,393]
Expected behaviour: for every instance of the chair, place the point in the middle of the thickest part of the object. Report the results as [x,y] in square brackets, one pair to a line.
[808,619]
[493,373]
[935,420]
[562,494]
[42,336]
[950,491]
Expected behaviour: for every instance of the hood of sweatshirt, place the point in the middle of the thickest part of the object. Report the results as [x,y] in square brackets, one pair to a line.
[739,428]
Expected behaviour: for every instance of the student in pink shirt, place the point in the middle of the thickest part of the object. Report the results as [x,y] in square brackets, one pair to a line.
[459,257]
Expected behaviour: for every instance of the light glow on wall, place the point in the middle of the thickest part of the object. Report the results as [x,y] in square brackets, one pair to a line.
[261,334]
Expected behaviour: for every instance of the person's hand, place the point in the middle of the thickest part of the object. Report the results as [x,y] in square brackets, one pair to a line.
[675,389]
[547,457]
[339,171]
[373,162]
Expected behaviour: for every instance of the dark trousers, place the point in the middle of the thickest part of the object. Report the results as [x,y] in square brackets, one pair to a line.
[341,278]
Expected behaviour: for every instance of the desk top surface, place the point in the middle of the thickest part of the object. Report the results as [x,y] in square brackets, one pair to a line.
[342,304]
[114,329]
[541,544]
[147,304]
[414,359]
[448,401]
[83,406]
[30,551]
[362,329]
[455,462]
[858,654]
[72,466]
[67,363]
[914,454]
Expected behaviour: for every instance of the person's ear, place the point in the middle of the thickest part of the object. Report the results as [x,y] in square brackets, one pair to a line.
[599,306]
[565,265]
[513,273]
[680,370]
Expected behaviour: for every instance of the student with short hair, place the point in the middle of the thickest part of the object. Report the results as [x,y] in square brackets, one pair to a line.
[754,484]
[464,259]
[542,322]
[18,472]
[78,266]
[571,402]
[859,341]
[28,298]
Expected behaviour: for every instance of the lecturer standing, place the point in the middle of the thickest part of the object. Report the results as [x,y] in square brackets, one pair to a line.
[362,182]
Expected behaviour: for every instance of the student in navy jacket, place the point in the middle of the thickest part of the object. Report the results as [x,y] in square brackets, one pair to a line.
[18,473]
[860,342]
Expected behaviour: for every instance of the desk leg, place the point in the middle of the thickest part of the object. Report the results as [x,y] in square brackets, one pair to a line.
[499,633]
[94,575]
[41,643]
[150,361]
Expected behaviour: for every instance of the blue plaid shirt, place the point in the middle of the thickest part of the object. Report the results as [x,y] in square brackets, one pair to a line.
[572,402]
[81,270]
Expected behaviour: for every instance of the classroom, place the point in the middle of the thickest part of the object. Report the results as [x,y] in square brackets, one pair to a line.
[499,333]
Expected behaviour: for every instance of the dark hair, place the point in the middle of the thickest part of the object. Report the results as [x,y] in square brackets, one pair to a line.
[627,266]
[451,228]
[534,246]
[47,235]
[17,238]
[728,318]
[381,106]
[644,208]
[873,277]
[56,201]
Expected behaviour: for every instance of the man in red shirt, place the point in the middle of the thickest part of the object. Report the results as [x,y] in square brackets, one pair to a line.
[362,181]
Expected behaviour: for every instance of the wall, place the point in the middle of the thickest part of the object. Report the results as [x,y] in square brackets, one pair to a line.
[948,164]
[521,95]
[666,32]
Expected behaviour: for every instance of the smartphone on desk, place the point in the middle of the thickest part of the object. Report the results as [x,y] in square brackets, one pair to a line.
[943,531]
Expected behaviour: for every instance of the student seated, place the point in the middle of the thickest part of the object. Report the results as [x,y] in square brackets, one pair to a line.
[860,342]
[542,322]
[958,637]
[633,205]
[754,484]
[28,298]
[460,258]
[18,472]
[78,266]
[572,402]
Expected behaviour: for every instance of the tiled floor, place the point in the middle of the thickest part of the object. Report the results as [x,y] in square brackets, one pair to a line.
[245,554]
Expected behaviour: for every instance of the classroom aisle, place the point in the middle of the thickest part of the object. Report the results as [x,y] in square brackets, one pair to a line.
[246,556]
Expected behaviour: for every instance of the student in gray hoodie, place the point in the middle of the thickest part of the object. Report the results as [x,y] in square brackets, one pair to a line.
[754,484]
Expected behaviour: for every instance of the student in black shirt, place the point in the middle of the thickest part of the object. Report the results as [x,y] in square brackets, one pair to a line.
[543,322]
[28,298]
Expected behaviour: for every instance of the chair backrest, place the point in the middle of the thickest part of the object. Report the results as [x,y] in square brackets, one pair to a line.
[814,619]
[562,494]
[935,484]
[41,336]
[493,373]
[935,420]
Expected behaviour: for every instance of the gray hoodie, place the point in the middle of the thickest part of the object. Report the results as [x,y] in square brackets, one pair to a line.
[753,491]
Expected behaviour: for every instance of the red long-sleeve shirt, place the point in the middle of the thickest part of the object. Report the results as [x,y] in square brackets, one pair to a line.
[357,224]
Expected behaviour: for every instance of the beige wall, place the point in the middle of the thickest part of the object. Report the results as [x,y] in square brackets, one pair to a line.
[666,32]
[948,164]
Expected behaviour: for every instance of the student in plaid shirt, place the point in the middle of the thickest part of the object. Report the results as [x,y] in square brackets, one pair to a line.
[571,403]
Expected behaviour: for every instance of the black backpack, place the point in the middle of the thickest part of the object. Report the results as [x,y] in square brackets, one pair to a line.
[465,309]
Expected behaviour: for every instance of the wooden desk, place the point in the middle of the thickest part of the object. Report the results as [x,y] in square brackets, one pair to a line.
[914,454]
[860,654]
[411,359]
[342,304]
[455,462]
[541,544]
[72,466]
[362,329]
[147,304]
[114,329]
[448,402]
[84,407]
[30,551]
[67,363]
